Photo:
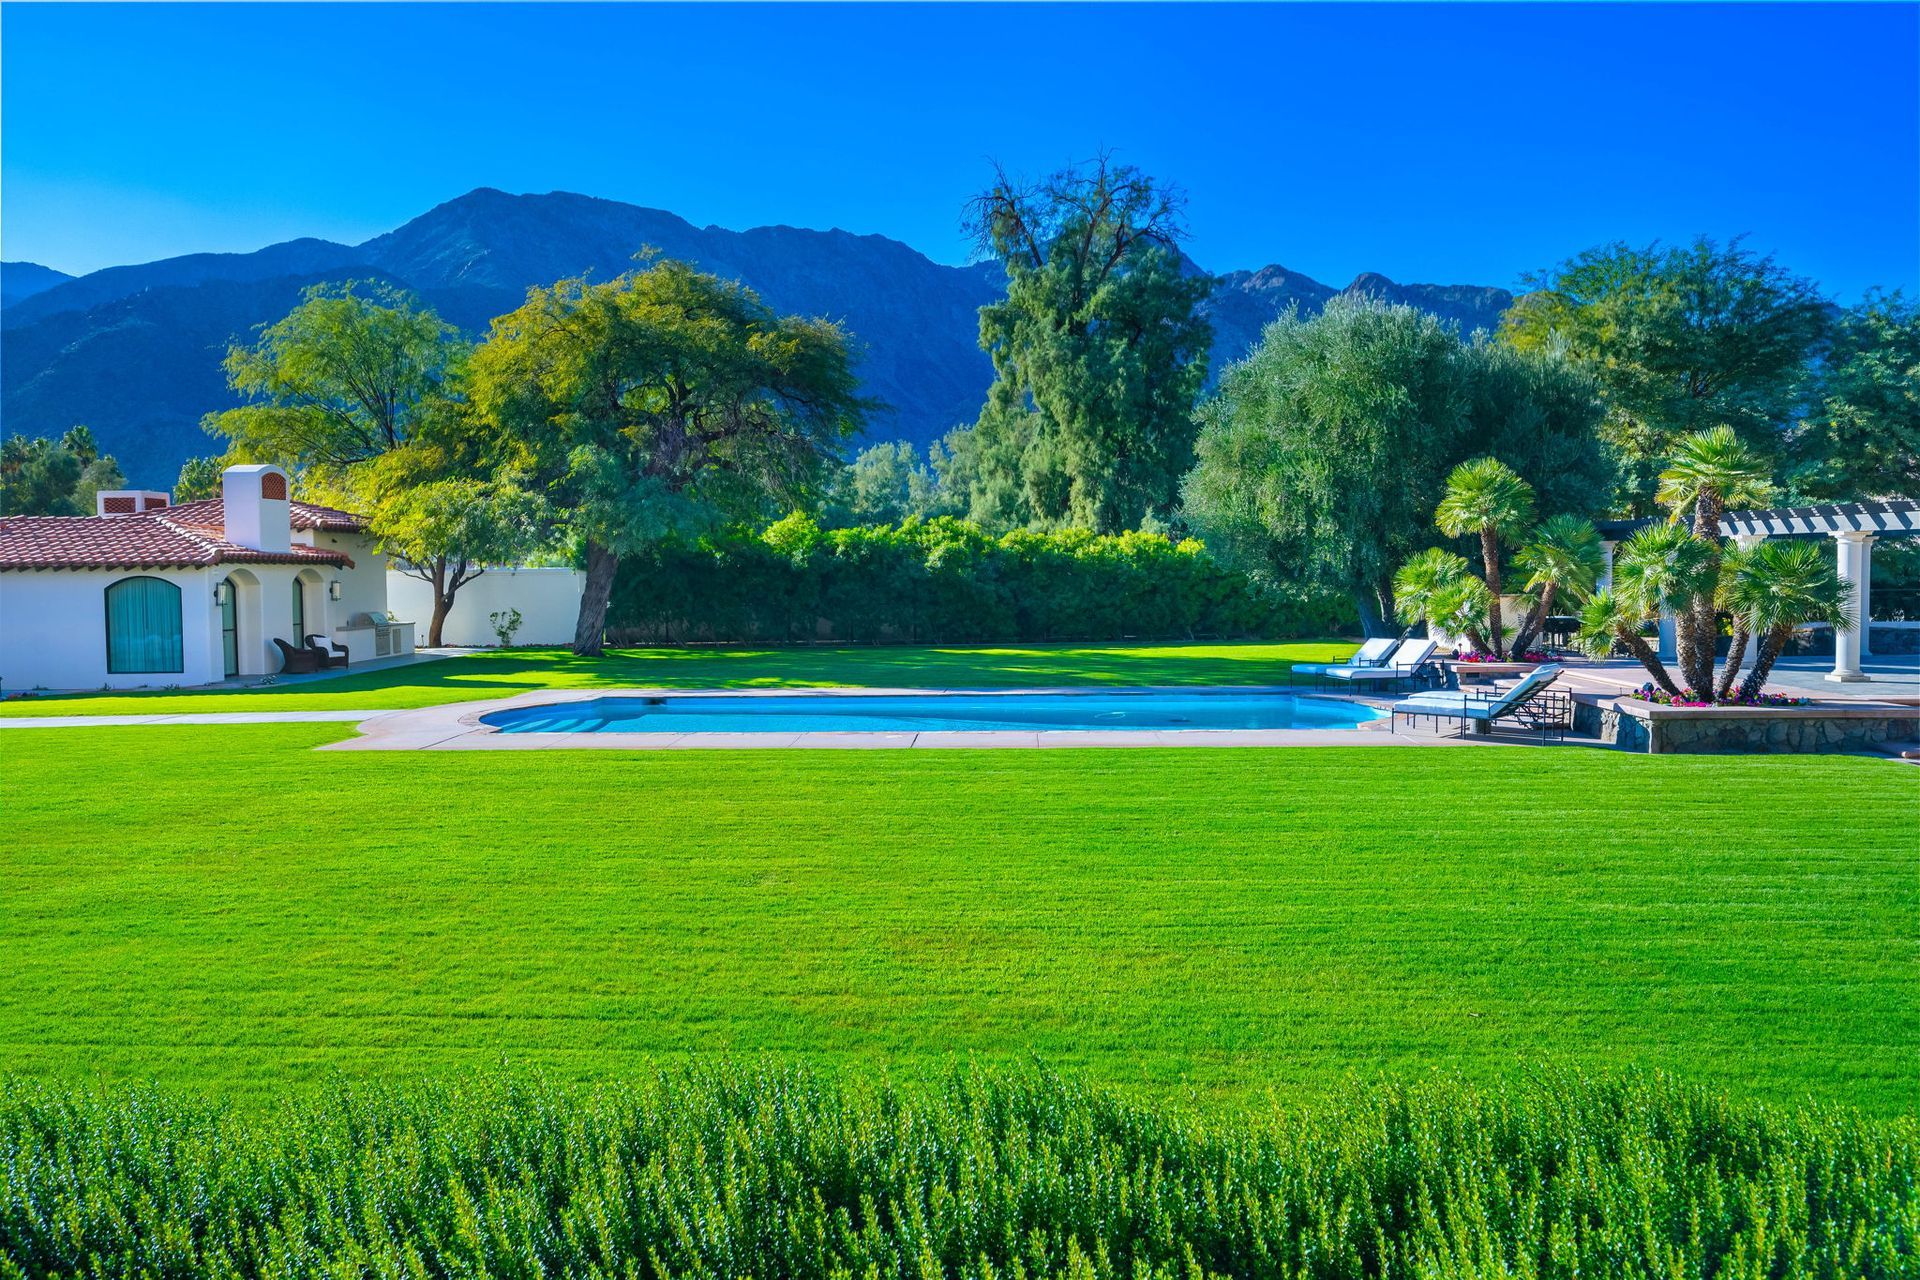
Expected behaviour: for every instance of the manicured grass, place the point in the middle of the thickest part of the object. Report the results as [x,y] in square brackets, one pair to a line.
[222,908]
[503,673]
[725,1172]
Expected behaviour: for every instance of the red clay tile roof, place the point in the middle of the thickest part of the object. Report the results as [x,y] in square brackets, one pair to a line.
[211,513]
[159,539]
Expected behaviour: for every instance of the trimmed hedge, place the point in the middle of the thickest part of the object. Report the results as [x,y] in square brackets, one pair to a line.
[944,580]
[730,1172]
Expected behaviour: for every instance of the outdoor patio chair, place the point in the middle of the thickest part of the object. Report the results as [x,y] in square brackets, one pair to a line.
[299,661]
[1408,663]
[1530,702]
[1371,654]
[332,652]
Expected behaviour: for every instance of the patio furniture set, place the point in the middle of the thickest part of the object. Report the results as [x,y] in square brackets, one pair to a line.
[1531,703]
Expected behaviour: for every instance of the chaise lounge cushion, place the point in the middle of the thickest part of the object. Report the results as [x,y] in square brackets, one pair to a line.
[1371,654]
[1408,658]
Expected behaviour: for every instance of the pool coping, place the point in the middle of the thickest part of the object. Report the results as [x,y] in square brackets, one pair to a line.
[458,726]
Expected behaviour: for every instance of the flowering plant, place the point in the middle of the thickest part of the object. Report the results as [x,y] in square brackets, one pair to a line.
[1654,693]
[1480,655]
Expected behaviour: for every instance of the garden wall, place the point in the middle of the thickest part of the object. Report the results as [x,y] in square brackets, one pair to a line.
[548,600]
[1660,730]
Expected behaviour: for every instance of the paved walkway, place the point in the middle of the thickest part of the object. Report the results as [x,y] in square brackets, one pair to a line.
[332,673]
[1892,679]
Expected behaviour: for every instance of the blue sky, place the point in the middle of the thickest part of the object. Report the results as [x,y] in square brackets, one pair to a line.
[1432,143]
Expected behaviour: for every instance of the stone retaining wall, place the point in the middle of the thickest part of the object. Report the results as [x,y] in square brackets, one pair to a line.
[1636,726]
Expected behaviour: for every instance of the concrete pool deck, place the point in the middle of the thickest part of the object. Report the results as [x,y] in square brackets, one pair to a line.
[459,727]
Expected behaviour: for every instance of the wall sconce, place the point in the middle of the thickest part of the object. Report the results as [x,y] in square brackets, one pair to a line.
[221,590]
[333,589]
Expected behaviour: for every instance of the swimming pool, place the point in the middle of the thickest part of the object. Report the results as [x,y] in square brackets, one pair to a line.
[934,713]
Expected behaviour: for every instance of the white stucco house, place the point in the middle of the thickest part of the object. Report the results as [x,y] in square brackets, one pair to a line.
[147,594]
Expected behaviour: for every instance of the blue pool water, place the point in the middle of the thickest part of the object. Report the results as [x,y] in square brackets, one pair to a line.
[934,712]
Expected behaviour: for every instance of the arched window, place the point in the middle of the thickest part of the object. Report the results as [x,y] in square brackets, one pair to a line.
[299,613]
[143,627]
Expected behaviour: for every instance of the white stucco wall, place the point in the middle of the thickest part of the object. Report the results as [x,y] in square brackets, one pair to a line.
[53,622]
[53,629]
[363,588]
[548,601]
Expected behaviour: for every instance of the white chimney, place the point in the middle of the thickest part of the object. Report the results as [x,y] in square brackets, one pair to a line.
[255,498]
[128,502]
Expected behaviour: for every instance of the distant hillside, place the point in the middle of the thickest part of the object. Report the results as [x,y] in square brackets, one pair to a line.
[21,280]
[135,351]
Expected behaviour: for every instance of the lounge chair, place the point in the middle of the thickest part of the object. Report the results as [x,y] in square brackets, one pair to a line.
[1371,654]
[1409,659]
[1529,702]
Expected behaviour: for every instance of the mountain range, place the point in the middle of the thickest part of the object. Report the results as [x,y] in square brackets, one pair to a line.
[134,352]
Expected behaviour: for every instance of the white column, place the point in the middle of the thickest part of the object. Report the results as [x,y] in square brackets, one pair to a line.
[1851,551]
[1747,542]
[1866,599]
[1669,649]
[1606,567]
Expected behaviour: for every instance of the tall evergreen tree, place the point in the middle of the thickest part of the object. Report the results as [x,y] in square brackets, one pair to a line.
[1099,352]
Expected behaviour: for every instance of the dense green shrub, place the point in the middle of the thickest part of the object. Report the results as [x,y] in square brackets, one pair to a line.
[778,1173]
[944,580]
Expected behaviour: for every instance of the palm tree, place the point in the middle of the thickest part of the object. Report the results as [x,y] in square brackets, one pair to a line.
[1486,497]
[1732,566]
[1709,472]
[1564,554]
[1659,569]
[1609,618]
[1772,589]
[1437,587]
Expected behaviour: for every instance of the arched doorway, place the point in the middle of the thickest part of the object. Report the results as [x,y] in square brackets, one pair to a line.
[229,627]
[244,628]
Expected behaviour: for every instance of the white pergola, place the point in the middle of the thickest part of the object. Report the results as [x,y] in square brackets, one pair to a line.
[1852,525]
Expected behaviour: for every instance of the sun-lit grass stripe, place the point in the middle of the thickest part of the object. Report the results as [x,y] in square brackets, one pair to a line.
[772,1170]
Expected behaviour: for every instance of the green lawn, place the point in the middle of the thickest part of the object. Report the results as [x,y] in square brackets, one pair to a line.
[222,908]
[503,673]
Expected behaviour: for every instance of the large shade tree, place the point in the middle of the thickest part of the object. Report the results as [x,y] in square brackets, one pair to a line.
[349,374]
[1861,436]
[662,400]
[1099,352]
[1680,338]
[1324,453]
[360,391]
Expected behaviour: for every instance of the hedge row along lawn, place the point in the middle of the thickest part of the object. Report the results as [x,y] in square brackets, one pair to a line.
[726,1172]
[223,908]
[501,673]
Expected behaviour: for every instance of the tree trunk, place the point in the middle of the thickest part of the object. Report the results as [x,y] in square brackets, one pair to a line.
[1700,618]
[1643,652]
[1771,647]
[590,632]
[1369,616]
[442,602]
[1736,654]
[1536,618]
[1490,561]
